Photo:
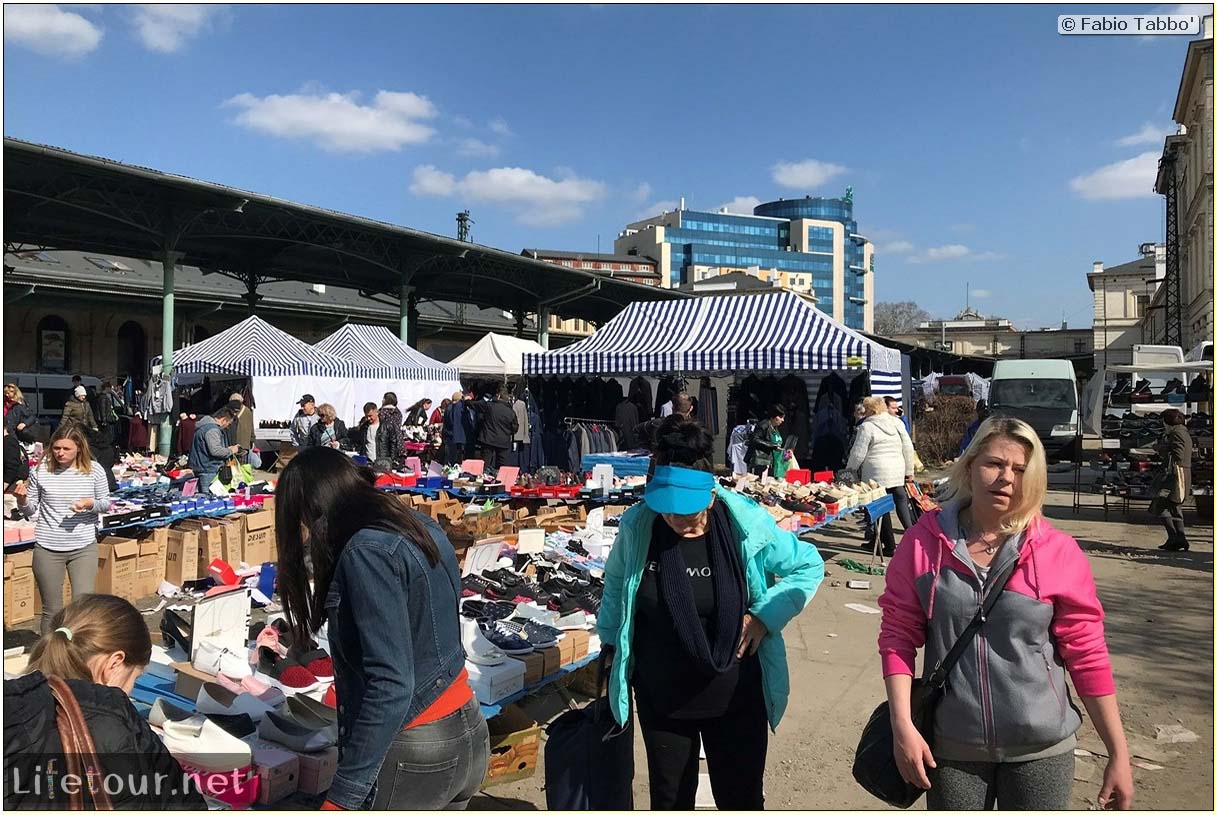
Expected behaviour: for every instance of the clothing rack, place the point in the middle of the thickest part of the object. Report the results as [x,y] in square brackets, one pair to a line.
[577,420]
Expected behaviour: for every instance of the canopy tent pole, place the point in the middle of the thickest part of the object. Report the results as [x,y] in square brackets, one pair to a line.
[167,264]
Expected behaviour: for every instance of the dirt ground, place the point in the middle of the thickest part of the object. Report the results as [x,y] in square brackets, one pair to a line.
[1160,626]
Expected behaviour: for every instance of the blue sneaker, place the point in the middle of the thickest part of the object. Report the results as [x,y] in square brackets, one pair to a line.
[505,639]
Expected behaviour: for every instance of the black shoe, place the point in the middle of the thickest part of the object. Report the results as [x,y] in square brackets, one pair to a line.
[1174,546]
[175,631]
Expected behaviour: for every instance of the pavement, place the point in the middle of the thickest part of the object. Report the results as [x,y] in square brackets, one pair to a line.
[1160,628]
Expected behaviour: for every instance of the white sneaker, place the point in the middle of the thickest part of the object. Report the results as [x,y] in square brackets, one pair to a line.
[532,611]
[576,619]
[215,699]
[478,649]
[200,743]
[213,659]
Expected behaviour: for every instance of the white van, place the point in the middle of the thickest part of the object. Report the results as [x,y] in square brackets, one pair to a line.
[1043,393]
[46,394]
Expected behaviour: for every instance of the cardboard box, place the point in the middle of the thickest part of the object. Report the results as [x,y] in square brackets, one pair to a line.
[20,560]
[317,770]
[116,564]
[182,556]
[534,667]
[19,597]
[278,771]
[580,641]
[190,679]
[515,747]
[494,682]
[150,568]
[259,537]
[233,527]
[552,657]
[211,541]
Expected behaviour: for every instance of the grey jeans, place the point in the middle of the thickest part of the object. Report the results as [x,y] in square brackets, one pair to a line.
[1042,783]
[49,569]
[440,765]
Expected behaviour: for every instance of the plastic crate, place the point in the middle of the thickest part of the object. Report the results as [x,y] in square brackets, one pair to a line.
[823,477]
[799,476]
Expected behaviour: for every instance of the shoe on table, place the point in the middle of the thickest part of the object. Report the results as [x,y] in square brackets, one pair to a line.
[324,712]
[248,684]
[537,613]
[213,659]
[316,661]
[478,648]
[505,639]
[294,736]
[201,744]
[215,699]
[285,673]
[308,717]
[474,585]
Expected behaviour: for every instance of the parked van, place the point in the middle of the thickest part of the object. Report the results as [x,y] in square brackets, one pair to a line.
[46,394]
[1043,393]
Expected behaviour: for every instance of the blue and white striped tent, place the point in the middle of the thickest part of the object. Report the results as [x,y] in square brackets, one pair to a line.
[254,347]
[705,335]
[379,352]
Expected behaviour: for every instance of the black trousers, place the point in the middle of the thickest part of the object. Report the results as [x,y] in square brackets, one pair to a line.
[901,498]
[1172,518]
[735,755]
[495,457]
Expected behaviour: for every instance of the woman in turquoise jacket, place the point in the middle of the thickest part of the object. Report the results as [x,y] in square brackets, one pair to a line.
[698,588]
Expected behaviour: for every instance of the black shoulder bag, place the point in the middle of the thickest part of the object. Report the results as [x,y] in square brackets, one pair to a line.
[875,765]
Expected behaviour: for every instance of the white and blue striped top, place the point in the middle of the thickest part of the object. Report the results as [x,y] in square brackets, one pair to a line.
[49,504]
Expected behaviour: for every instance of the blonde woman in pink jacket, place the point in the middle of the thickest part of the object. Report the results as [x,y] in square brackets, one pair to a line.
[1004,733]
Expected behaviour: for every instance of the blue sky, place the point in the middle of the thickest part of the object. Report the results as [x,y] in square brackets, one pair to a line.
[982,146]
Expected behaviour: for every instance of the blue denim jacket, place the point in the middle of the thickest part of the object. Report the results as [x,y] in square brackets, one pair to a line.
[394,632]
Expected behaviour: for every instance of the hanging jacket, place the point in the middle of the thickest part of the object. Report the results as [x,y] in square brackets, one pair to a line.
[522,421]
[767,553]
[1007,697]
[882,451]
[626,417]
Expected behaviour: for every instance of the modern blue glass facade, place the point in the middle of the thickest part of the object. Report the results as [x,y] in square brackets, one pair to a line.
[764,240]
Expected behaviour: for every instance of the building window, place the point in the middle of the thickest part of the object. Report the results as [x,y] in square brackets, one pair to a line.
[52,340]
[1141,304]
[1080,346]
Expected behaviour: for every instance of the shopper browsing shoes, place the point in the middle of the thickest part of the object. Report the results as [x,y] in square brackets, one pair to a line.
[209,449]
[882,452]
[1174,482]
[329,430]
[765,444]
[1004,733]
[99,646]
[65,494]
[693,611]
[495,430]
[385,581]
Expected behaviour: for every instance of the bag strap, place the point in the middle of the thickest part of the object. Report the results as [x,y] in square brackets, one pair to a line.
[78,747]
[938,677]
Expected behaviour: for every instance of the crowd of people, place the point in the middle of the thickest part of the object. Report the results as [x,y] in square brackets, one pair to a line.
[697,590]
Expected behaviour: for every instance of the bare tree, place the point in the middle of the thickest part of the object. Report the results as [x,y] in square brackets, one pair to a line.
[898,318]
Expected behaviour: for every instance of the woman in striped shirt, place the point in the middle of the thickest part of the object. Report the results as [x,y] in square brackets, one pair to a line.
[64,496]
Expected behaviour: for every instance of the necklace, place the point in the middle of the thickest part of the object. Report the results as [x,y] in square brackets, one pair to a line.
[990,548]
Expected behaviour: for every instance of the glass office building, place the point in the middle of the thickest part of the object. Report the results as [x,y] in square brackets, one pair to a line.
[805,243]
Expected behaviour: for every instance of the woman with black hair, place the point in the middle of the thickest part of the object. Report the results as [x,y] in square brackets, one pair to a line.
[419,414]
[385,580]
[693,612]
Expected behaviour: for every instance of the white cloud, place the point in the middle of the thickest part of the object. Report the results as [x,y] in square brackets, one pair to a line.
[1131,178]
[1149,134]
[741,204]
[950,251]
[166,27]
[477,149]
[964,227]
[806,173]
[499,126]
[896,248]
[980,294]
[538,199]
[641,193]
[50,30]
[462,121]
[657,208]
[337,121]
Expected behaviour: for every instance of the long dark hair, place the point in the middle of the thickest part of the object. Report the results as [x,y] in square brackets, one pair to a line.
[324,492]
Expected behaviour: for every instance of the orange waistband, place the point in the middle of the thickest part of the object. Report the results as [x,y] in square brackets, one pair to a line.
[451,700]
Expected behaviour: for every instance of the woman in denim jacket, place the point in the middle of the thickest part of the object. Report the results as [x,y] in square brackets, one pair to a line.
[385,579]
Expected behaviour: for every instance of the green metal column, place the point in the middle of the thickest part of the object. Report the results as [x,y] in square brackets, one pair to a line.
[167,335]
[404,310]
[543,327]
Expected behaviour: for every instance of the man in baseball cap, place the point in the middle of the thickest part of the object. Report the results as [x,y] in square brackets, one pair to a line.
[306,417]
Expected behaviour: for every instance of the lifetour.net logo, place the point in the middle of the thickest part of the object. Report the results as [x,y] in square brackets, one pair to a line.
[34,781]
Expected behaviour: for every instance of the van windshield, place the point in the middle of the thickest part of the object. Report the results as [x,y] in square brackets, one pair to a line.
[1048,394]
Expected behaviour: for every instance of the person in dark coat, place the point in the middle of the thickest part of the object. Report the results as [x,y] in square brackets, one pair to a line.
[458,423]
[765,441]
[1174,484]
[497,427]
[99,646]
[16,464]
[330,431]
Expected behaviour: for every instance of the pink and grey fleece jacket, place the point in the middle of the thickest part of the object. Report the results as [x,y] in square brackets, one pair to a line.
[1007,697]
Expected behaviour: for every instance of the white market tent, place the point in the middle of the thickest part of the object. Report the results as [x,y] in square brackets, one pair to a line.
[388,364]
[281,368]
[497,355]
[710,335]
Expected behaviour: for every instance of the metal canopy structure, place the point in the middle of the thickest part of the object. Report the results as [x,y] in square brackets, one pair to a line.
[60,199]
[54,198]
